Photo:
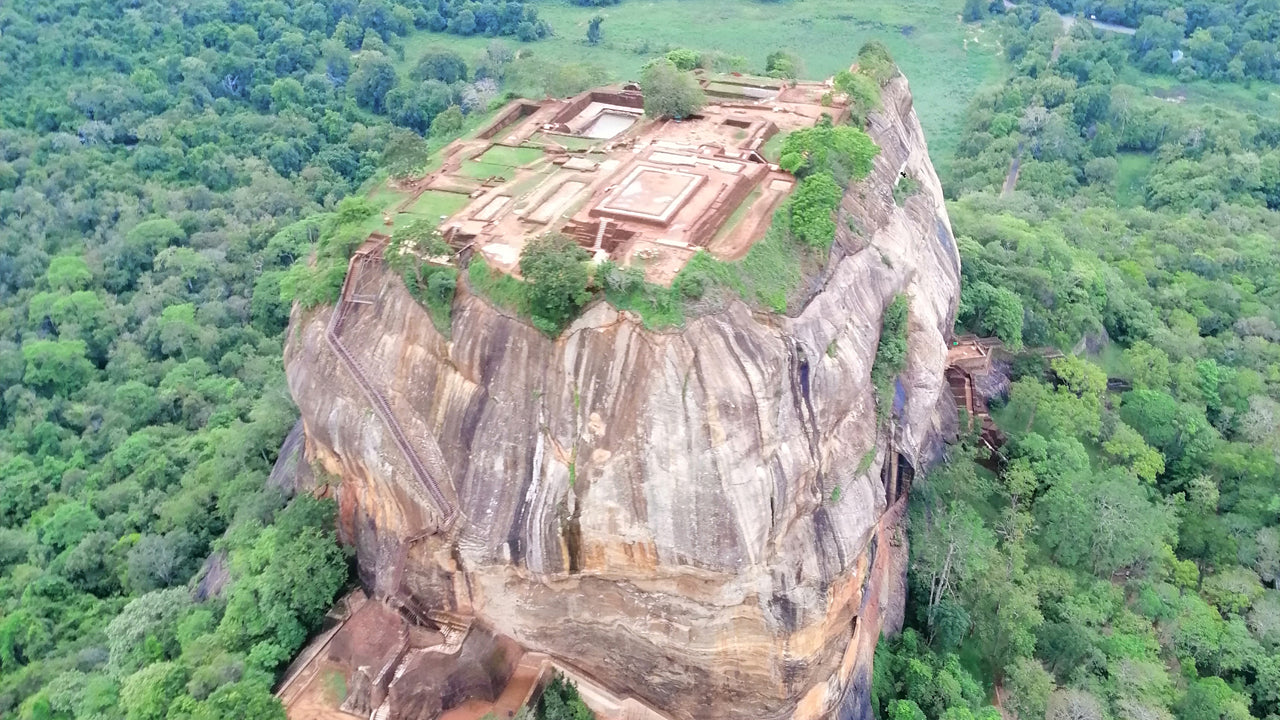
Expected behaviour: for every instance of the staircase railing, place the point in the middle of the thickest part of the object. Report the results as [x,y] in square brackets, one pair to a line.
[371,253]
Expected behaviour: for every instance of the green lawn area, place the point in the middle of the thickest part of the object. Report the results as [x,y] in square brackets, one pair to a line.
[1257,97]
[772,150]
[526,185]
[566,141]
[483,171]
[375,223]
[430,205]
[738,213]
[1130,175]
[510,156]
[926,37]
[387,197]
[433,203]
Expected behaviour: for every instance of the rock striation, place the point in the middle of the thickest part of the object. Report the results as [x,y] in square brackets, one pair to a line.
[703,518]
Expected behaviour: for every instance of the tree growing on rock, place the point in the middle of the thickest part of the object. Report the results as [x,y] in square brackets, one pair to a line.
[670,93]
[552,265]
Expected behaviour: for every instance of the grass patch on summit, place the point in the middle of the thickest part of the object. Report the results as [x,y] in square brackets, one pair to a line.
[434,203]
[510,156]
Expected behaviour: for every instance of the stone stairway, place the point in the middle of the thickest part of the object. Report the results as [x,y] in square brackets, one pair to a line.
[427,476]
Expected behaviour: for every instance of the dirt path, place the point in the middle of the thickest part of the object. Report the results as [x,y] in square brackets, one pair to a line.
[1011,180]
[1070,20]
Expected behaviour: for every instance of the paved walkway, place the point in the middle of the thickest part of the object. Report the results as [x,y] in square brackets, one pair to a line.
[1069,20]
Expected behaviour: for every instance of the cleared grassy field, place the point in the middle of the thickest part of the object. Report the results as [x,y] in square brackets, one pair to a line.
[1131,173]
[484,171]
[938,53]
[510,156]
[432,204]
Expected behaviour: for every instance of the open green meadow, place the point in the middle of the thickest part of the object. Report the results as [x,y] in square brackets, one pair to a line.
[940,55]
[1131,173]
[510,156]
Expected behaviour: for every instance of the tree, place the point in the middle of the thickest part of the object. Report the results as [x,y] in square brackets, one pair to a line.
[1126,446]
[160,561]
[783,64]
[235,700]
[286,584]
[442,64]
[670,93]
[1148,365]
[153,615]
[974,10]
[561,701]
[374,77]
[447,123]
[905,710]
[404,154]
[593,30]
[57,367]
[1028,686]
[1074,705]
[287,92]
[861,92]
[68,272]
[951,550]
[1104,524]
[1212,699]
[552,265]
[146,694]
[993,311]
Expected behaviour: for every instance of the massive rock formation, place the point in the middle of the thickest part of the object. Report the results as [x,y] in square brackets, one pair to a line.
[659,509]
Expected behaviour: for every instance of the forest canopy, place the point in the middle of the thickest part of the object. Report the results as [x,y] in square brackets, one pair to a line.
[1120,555]
[162,166]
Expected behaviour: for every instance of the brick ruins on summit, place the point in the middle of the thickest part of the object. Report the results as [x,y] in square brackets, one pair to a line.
[640,192]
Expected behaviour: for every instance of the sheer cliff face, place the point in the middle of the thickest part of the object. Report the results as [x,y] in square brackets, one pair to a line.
[658,508]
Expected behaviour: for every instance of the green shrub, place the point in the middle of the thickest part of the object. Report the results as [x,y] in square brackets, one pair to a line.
[561,701]
[842,151]
[812,209]
[683,58]
[875,62]
[891,353]
[862,93]
[626,289]
[318,280]
[905,188]
[496,286]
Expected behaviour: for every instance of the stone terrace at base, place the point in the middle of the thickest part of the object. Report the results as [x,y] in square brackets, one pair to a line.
[641,192]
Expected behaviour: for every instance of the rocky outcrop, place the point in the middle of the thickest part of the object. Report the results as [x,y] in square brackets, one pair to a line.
[703,518]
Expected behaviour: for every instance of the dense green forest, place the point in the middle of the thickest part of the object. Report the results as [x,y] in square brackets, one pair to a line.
[1202,38]
[161,166]
[1119,558]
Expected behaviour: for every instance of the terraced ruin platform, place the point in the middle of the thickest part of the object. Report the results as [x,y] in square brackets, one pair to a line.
[642,192]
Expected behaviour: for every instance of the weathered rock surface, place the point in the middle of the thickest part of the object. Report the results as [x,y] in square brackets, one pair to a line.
[658,509]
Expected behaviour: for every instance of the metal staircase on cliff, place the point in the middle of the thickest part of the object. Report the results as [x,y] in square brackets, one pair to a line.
[370,254]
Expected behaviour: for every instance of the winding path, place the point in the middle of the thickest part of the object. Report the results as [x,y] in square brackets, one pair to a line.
[1069,20]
